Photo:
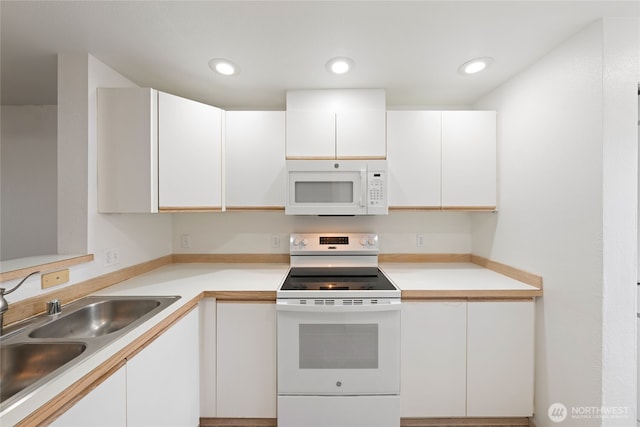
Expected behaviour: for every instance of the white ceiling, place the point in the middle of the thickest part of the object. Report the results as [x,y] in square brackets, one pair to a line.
[410,48]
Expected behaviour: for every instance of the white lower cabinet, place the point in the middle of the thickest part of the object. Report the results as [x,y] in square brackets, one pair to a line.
[246,360]
[500,358]
[105,406]
[207,357]
[156,387]
[434,354]
[163,379]
[473,359]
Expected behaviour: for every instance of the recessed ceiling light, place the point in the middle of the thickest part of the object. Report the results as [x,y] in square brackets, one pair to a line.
[339,65]
[223,66]
[475,65]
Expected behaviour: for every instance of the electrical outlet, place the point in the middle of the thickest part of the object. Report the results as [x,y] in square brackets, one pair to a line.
[419,240]
[185,241]
[275,241]
[110,257]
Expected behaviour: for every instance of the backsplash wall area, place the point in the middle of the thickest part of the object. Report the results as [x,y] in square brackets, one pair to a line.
[259,232]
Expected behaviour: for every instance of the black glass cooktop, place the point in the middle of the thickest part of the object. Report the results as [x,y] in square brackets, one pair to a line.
[336,279]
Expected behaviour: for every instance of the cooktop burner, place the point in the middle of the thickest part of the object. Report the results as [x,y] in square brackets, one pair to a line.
[336,279]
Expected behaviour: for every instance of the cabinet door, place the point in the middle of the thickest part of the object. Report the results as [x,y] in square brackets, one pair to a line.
[104,406]
[311,134]
[255,159]
[246,343]
[163,379]
[413,157]
[469,159]
[500,361]
[127,150]
[361,134]
[189,154]
[207,307]
[433,359]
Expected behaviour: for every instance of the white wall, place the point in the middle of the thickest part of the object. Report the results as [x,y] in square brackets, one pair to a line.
[138,238]
[620,204]
[28,222]
[250,232]
[568,199]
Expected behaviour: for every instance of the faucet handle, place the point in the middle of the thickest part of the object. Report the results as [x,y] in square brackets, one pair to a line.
[53,307]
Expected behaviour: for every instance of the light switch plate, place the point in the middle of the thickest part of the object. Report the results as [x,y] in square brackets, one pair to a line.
[55,278]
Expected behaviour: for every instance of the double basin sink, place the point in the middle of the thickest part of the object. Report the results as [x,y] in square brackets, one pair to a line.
[32,352]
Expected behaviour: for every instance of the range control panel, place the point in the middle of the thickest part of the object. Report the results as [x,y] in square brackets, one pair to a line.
[333,242]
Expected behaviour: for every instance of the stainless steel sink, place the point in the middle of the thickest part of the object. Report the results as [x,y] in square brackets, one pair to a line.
[97,319]
[33,352]
[23,364]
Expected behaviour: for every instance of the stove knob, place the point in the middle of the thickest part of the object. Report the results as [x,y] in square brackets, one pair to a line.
[363,241]
[303,242]
[371,241]
[296,242]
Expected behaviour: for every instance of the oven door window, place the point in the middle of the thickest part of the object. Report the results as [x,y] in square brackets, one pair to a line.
[338,346]
[338,352]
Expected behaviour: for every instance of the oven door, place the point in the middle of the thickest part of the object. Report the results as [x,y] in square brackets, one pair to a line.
[338,350]
[318,188]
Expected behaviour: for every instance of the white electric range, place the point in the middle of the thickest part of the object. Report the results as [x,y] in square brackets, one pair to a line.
[338,335]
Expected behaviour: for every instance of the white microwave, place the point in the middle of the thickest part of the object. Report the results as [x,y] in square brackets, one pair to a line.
[336,187]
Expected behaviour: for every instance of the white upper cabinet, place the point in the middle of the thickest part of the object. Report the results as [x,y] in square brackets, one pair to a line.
[336,124]
[157,152]
[361,134]
[311,134]
[255,159]
[189,154]
[127,150]
[413,156]
[442,159]
[469,159]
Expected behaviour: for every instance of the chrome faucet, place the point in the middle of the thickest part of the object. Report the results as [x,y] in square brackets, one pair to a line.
[4,305]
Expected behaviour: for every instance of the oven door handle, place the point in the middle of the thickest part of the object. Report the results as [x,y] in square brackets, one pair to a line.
[312,308]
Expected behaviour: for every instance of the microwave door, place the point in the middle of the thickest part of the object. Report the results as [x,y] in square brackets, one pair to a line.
[326,193]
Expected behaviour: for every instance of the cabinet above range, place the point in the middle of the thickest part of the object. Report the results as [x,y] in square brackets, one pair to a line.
[336,124]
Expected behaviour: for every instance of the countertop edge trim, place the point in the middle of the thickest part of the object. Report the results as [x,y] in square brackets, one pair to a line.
[417,295]
[35,305]
[506,270]
[29,307]
[64,400]
[230,258]
[48,266]
[241,296]
[424,258]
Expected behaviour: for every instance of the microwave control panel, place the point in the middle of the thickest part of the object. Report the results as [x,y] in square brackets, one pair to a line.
[376,183]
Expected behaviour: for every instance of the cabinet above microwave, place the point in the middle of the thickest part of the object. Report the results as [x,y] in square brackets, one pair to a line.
[336,124]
